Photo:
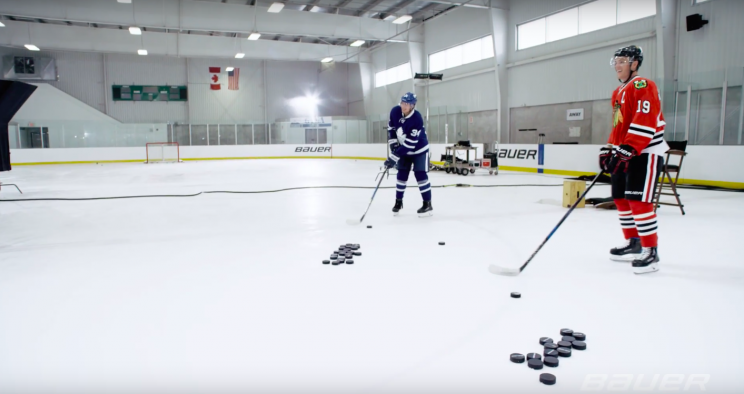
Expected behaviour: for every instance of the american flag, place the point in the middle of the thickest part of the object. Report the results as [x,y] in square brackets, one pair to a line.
[232,79]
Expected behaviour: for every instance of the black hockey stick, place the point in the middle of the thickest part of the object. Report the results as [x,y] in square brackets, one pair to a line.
[355,221]
[514,271]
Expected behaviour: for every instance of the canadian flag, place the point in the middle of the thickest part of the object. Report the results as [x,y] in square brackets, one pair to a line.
[214,85]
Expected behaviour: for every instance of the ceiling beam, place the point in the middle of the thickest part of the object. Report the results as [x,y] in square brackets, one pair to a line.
[403,4]
[367,7]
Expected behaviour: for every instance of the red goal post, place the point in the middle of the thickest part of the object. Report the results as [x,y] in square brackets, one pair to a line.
[162,152]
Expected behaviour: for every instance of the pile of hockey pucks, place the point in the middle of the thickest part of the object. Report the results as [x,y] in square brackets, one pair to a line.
[344,254]
[552,353]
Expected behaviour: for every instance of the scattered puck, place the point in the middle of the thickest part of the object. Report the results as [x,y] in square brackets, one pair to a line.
[349,261]
[516,295]
[545,340]
[550,353]
[355,248]
[564,344]
[568,339]
[551,346]
[335,263]
[357,253]
[369,226]
[334,257]
[326,261]
[566,332]
[546,378]
[579,345]
[535,364]
[564,352]
[579,336]
[530,356]
[441,243]
[551,362]
[516,358]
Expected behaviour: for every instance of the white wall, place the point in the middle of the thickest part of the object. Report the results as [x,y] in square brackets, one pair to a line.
[48,103]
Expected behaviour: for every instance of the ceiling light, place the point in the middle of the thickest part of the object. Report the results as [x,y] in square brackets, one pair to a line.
[254,36]
[228,69]
[1,24]
[327,60]
[276,7]
[357,43]
[124,1]
[32,47]
[239,55]
[389,17]
[401,41]
[403,19]
[135,31]
[142,52]
[315,9]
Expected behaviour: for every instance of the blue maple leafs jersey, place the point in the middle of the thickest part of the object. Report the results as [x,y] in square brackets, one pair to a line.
[409,131]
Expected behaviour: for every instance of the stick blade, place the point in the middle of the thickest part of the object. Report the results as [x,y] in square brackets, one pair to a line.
[353,222]
[503,271]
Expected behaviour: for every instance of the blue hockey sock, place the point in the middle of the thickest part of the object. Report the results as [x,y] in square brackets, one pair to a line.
[400,186]
[423,184]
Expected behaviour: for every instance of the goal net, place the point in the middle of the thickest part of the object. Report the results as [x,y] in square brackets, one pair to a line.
[163,152]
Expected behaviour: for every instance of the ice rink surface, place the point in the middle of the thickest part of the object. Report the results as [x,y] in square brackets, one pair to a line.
[227,293]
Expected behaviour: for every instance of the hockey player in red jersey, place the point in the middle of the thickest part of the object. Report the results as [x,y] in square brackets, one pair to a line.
[634,159]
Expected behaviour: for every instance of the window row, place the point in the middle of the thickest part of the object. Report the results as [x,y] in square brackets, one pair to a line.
[393,75]
[468,52]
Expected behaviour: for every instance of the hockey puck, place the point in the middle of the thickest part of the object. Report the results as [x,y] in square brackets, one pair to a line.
[355,248]
[369,226]
[551,346]
[568,339]
[564,344]
[579,345]
[441,243]
[357,253]
[535,364]
[564,352]
[530,356]
[551,362]
[579,336]
[334,256]
[516,295]
[550,353]
[546,378]
[349,256]
[335,263]
[326,261]
[566,332]
[545,340]
[516,358]
[349,261]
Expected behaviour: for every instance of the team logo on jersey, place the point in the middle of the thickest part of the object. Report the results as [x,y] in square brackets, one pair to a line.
[617,115]
[640,84]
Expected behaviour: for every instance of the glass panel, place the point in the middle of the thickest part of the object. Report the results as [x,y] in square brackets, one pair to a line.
[472,51]
[531,34]
[213,137]
[732,127]
[437,62]
[630,10]
[562,25]
[454,56]
[245,134]
[199,134]
[260,134]
[227,134]
[486,47]
[597,15]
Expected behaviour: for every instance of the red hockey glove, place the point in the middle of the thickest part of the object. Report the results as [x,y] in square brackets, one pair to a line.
[621,158]
[605,153]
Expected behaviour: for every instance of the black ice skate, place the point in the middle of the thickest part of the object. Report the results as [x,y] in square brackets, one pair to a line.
[629,252]
[425,210]
[648,262]
[398,206]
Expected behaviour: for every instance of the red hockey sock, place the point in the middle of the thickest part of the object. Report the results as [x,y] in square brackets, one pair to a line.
[645,221]
[626,219]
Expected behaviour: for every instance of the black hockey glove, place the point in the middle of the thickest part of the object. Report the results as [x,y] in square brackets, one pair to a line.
[394,145]
[391,161]
[605,153]
[619,161]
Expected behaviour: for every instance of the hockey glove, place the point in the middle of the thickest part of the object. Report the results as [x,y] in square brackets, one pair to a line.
[604,157]
[393,144]
[619,161]
[391,161]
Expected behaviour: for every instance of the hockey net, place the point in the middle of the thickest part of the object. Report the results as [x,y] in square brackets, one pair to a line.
[163,152]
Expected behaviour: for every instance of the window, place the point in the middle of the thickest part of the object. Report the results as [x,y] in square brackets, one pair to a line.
[468,52]
[588,17]
[393,75]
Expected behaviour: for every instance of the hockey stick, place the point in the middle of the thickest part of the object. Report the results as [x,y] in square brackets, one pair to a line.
[355,221]
[514,271]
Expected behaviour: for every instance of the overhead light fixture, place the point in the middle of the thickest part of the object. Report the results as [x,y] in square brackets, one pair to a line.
[142,52]
[400,41]
[276,7]
[228,69]
[315,9]
[327,60]
[124,1]
[254,36]
[135,31]
[389,17]
[239,55]
[357,43]
[32,47]
[1,24]
[403,19]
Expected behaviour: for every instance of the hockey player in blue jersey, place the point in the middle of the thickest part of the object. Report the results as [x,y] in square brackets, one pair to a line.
[409,148]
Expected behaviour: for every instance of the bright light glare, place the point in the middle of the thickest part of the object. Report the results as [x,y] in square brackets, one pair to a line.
[307,106]
[135,31]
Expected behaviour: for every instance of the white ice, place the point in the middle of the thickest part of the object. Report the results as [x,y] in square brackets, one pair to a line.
[226,292]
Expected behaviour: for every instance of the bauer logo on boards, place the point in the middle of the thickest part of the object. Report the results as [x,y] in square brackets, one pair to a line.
[312,149]
[523,154]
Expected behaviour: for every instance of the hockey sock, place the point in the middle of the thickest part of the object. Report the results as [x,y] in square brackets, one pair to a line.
[400,186]
[423,184]
[645,221]
[626,218]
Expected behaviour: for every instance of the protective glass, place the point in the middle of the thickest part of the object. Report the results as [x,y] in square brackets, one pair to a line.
[620,61]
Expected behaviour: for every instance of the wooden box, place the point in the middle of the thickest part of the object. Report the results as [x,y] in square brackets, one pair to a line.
[572,190]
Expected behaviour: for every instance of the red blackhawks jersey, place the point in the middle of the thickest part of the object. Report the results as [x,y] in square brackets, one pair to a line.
[636,117]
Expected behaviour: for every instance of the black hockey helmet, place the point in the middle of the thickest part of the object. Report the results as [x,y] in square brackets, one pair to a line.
[632,52]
